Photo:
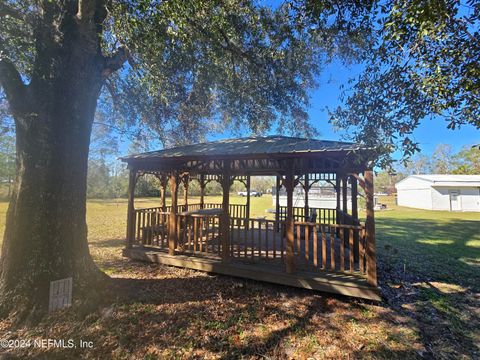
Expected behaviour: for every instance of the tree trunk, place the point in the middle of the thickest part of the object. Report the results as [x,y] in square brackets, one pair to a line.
[46,233]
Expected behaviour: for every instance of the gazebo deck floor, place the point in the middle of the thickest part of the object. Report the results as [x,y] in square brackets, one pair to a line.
[327,281]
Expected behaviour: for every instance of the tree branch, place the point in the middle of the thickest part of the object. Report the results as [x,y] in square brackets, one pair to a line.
[12,84]
[27,16]
[86,9]
[111,126]
[92,12]
[115,61]
[111,89]
[6,10]
[227,44]
[234,48]
[113,93]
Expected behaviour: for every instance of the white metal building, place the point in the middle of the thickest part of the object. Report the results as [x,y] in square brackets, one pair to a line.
[440,192]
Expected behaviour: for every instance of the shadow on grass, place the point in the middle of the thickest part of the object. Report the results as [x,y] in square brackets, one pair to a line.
[425,269]
[434,250]
[109,243]
[238,318]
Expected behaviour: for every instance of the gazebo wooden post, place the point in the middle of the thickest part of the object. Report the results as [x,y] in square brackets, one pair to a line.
[337,189]
[225,218]
[338,215]
[278,186]
[289,226]
[247,206]
[202,191]
[354,183]
[172,218]
[132,179]
[306,188]
[344,196]
[185,180]
[370,229]
[163,190]
[345,206]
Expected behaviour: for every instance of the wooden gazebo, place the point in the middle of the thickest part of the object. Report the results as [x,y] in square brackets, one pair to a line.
[318,248]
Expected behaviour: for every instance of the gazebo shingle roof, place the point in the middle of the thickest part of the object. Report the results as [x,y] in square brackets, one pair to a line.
[257,145]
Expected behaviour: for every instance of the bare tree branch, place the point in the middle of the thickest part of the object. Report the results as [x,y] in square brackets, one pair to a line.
[86,9]
[111,88]
[115,61]
[111,126]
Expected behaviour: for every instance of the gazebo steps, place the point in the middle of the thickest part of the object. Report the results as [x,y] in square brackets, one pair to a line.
[327,281]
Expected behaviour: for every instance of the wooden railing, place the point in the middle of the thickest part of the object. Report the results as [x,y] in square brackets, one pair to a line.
[151,226]
[256,239]
[198,234]
[151,223]
[324,215]
[182,208]
[317,246]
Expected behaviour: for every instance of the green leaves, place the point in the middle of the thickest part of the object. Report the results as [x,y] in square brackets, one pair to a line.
[198,66]
[205,66]
[425,64]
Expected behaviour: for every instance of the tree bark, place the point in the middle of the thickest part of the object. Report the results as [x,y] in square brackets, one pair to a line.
[46,233]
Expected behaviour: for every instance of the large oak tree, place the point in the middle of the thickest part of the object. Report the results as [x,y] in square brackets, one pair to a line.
[191,64]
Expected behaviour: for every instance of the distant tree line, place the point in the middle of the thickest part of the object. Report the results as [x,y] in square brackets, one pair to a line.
[108,177]
[445,161]
[111,181]
[7,155]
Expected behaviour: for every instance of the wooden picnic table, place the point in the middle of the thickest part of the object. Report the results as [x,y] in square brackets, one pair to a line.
[202,212]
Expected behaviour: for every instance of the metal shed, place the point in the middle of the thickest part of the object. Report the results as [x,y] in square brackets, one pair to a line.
[440,192]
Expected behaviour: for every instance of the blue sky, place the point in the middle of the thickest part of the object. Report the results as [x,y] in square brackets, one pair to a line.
[429,133]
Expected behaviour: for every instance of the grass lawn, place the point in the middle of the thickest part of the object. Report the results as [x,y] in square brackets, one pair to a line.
[429,273]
